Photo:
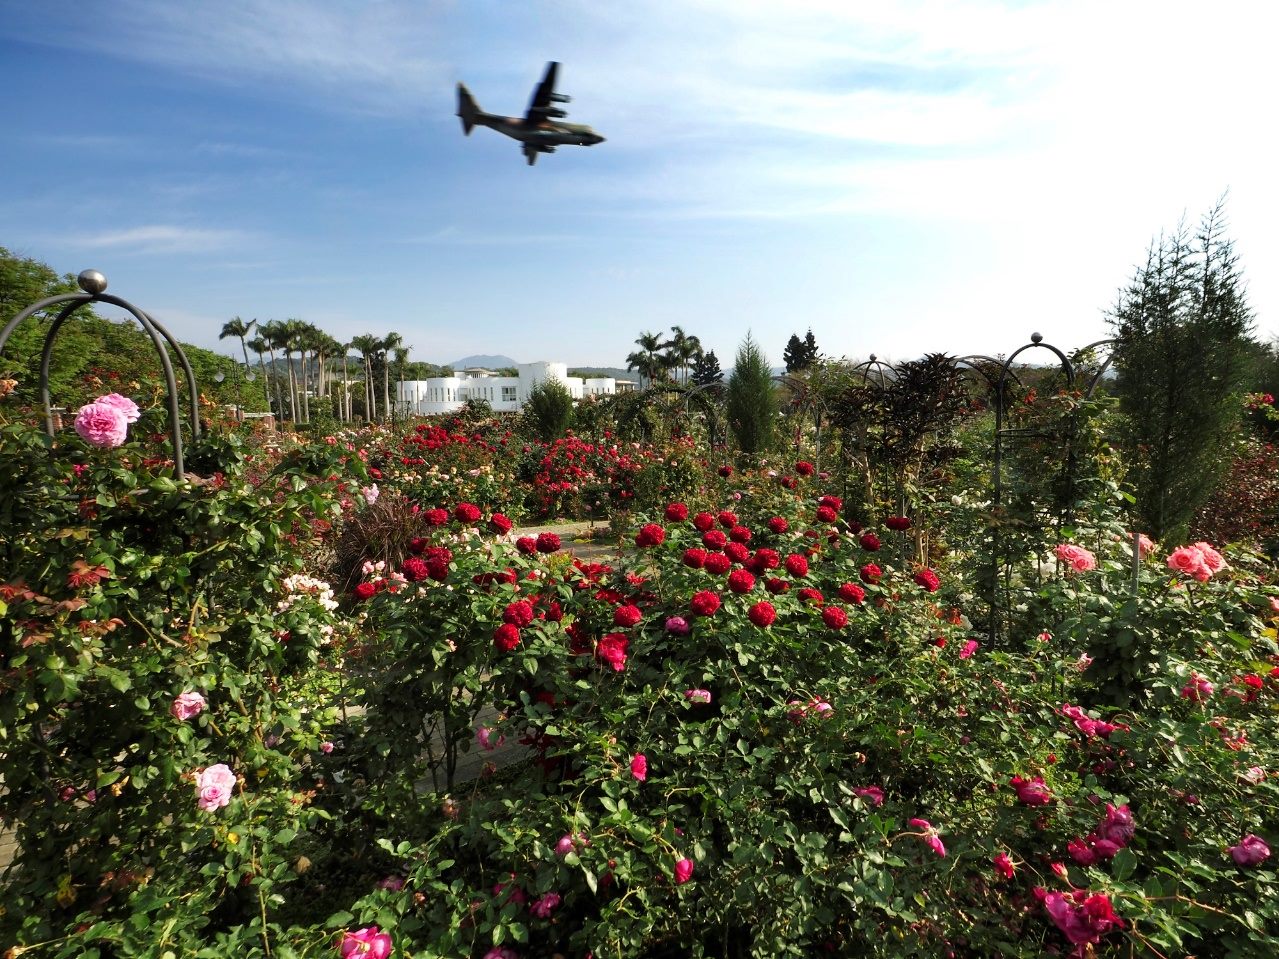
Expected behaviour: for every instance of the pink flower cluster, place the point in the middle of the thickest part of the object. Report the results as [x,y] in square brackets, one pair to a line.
[1199,561]
[104,423]
[1112,834]
[1087,725]
[1031,792]
[930,834]
[1081,916]
[187,705]
[1076,557]
[1251,851]
[367,943]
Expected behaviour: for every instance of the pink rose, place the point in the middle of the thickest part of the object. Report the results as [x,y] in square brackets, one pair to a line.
[1212,559]
[102,425]
[639,767]
[326,747]
[1190,561]
[1082,917]
[501,952]
[484,736]
[543,907]
[872,794]
[1118,826]
[1076,557]
[930,836]
[214,786]
[1003,865]
[697,695]
[1251,851]
[683,871]
[970,647]
[123,404]
[1031,792]
[1197,690]
[186,705]
[367,943]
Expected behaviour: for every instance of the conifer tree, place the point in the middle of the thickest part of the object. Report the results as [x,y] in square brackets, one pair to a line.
[793,355]
[706,370]
[1183,328]
[751,404]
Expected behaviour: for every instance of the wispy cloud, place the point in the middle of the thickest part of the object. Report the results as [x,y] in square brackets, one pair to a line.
[157,239]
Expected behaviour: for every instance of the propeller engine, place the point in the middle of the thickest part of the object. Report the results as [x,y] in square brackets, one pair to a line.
[561,98]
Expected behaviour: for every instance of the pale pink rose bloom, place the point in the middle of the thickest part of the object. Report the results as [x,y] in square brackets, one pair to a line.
[186,705]
[326,747]
[1190,561]
[102,425]
[1145,545]
[1251,851]
[370,494]
[214,786]
[1253,774]
[123,404]
[1212,559]
[367,943]
[1076,557]
[697,695]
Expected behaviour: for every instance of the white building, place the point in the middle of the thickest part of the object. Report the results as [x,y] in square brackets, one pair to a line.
[444,394]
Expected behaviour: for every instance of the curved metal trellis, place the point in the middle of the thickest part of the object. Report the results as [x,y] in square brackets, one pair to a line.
[94,285]
[808,403]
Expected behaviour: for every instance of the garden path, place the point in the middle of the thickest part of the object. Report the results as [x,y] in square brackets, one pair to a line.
[577,539]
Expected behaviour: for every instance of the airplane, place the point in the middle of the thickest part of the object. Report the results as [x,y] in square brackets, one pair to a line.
[541,129]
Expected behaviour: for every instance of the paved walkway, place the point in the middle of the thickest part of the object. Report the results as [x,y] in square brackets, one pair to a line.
[578,540]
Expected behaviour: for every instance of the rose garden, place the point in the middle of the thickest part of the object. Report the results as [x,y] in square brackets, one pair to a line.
[893,684]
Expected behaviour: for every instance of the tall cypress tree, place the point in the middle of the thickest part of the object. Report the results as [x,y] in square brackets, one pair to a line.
[1183,327]
[751,404]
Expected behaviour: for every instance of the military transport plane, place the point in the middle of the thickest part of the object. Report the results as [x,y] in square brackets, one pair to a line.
[541,129]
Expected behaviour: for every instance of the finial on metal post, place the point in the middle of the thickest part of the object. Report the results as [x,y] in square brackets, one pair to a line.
[92,282]
[873,357]
[1036,338]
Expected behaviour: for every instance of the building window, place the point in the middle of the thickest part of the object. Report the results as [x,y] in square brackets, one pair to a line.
[508,394]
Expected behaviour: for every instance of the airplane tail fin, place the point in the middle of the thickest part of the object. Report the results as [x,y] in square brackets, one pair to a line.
[467,108]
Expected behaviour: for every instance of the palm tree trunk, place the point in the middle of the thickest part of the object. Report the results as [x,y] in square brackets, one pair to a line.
[293,385]
[279,396]
[346,392]
[388,412]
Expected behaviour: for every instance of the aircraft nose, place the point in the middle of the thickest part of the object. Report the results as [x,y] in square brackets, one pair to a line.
[598,139]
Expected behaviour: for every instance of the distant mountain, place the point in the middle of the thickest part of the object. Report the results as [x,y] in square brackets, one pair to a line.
[485,362]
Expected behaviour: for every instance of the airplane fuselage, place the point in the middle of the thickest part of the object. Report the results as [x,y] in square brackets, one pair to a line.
[546,133]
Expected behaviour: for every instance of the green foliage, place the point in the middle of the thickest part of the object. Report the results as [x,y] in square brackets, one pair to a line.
[548,412]
[706,370]
[799,354]
[1182,356]
[750,402]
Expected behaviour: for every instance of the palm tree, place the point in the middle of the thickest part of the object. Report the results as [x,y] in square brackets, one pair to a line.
[326,347]
[681,350]
[237,327]
[401,357]
[346,382]
[274,333]
[294,330]
[392,341]
[259,345]
[647,359]
[368,345]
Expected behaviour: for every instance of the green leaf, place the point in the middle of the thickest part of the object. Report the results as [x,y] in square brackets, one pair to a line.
[1124,863]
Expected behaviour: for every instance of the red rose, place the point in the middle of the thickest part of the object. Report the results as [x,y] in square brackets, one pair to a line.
[415,570]
[777,586]
[927,579]
[436,517]
[804,468]
[726,471]
[703,521]
[704,603]
[727,519]
[466,512]
[736,552]
[526,545]
[778,525]
[740,581]
[627,615]
[547,542]
[650,534]
[612,650]
[506,637]
[871,573]
[519,613]
[834,502]
[869,541]
[826,515]
[365,591]
[796,565]
[676,512]
[766,558]
[714,539]
[811,596]
[500,524]
[739,534]
[694,558]
[898,523]
[416,545]
[762,614]
[852,593]
[834,617]
[717,563]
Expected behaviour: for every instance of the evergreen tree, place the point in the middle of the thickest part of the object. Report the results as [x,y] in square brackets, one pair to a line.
[810,348]
[706,370]
[549,410]
[751,404]
[793,355]
[1182,326]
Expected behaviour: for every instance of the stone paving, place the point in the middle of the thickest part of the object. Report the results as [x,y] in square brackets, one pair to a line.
[577,539]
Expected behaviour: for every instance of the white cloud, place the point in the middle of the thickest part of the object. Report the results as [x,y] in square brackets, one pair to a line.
[157,239]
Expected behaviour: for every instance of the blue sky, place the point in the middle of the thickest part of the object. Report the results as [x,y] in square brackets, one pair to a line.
[900,177]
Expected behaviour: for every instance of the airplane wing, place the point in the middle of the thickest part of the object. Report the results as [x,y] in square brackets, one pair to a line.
[540,107]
